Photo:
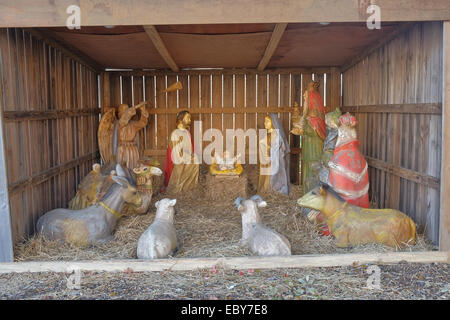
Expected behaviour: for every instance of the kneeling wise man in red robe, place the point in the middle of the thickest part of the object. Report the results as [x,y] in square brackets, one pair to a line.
[348,167]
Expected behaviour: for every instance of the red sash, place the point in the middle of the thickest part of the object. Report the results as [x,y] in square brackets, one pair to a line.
[317,123]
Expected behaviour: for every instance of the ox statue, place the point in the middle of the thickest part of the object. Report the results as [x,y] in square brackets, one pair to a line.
[352,225]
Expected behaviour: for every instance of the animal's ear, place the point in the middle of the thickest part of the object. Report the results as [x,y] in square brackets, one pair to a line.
[120,171]
[156,171]
[238,203]
[259,200]
[322,191]
[262,204]
[173,202]
[121,180]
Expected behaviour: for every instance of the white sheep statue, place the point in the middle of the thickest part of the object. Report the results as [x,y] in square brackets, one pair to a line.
[94,224]
[261,240]
[160,239]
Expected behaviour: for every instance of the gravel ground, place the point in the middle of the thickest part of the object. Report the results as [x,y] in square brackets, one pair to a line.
[401,281]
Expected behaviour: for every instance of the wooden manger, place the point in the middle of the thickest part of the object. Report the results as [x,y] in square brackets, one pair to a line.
[235,67]
[228,187]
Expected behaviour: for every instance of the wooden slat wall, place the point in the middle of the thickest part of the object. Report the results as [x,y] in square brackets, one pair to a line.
[407,70]
[47,153]
[219,90]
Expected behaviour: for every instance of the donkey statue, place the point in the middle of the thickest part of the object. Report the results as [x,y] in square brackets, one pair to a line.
[94,224]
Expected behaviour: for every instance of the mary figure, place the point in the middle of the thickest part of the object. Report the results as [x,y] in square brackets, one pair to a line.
[274,158]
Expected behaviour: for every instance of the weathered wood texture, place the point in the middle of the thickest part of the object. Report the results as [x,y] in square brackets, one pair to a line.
[184,264]
[161,47]
[277,34]
[444,240]
[6,244]
[221,100]
[50,107]
[142,12]
[402,142]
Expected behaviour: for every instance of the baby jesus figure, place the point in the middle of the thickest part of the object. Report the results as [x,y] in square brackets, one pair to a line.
[225,164]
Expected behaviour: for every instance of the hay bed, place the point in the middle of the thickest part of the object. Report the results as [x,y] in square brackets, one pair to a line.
[205,228]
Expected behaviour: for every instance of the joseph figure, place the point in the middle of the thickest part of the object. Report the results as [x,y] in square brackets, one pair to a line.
[181,168]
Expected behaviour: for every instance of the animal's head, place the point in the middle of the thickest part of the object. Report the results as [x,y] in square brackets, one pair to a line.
[332,118]
[96,168]
[147,170]
[249,208]
[144,175]
[123,172]
[128,192]
[165,208]
[315,199]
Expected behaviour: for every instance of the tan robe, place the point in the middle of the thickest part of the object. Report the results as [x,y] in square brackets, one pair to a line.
[184,176]
[127,151]
[264,169]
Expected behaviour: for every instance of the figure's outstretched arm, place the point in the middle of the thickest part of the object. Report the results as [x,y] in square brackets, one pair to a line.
[126,117]
[143,120]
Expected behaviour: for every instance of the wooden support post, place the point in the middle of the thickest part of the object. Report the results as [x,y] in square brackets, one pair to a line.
[335,83]
[6,244]
[406,108]
[224,110]
[225,71]
[161,47]
[105,90]
[277,33]
[39,178]
[444,234]
[9,116]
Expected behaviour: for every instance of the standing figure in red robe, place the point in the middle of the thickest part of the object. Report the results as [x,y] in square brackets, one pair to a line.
[348,167]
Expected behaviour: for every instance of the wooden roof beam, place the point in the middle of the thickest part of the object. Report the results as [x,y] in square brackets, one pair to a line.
[45,13]
[161,47]
[277,33]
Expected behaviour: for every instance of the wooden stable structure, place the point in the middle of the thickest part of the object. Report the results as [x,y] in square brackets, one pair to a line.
[237,61]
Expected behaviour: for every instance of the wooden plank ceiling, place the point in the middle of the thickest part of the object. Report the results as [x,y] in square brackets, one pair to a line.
[223,45]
